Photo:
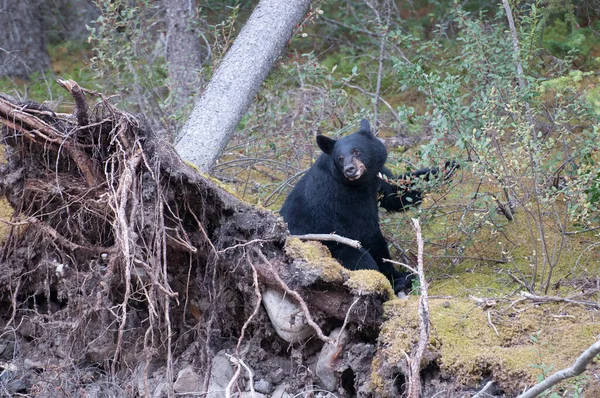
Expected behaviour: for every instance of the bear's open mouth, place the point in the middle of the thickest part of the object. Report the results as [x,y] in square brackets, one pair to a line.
[360,170]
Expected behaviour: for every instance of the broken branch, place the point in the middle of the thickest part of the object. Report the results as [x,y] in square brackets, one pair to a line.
[546,299]
[329,237]
[577,368]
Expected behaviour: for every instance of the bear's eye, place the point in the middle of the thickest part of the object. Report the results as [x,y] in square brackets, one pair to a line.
[356,152]
[341,159]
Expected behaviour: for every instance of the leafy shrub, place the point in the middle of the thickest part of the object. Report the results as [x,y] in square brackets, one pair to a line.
[531,136]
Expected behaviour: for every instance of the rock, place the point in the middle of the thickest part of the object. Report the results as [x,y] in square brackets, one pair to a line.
[94,390]
[220,375]
[249,394]
[280,392]
[13,379]
[139,379]
[327,362]
[161,390]
[277,376]
[29,364]
[286,317]
[188,381]
[263,386]
[101,348]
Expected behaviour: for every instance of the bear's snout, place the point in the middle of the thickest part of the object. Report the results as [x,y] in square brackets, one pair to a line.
[355,170]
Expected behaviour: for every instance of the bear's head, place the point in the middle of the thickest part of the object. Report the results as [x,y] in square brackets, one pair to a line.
[357,158]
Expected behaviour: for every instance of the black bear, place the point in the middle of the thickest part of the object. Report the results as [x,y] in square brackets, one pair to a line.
[339,194]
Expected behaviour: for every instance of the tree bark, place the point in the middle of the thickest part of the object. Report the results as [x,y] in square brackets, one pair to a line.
[184,56]
[68,19]
[22,41]
[237,80]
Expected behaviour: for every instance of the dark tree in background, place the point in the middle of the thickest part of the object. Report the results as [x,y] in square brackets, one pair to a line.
[68,19]
[184,51]
[22,40]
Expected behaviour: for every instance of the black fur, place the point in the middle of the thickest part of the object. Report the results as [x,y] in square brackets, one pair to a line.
[338,194]
[400,193]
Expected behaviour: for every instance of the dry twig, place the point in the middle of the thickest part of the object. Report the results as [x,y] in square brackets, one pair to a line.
[546,299]
[408,267]
[483,392]
[577,368]
[489,317]
[337,340]
[329,237]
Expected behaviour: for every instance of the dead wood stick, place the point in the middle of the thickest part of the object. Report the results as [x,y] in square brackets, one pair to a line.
[11,113]
[408,267]
[492,260]
[17,124]
[581,232]
[329,237]
[15,112]
[81,107]
[415,387]
[546,299]
[489,317]
[577,368]
[483,392]
[516,279]
[337,340]
[298,298]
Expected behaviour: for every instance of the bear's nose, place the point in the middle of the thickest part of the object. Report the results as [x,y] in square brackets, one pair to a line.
[350,170]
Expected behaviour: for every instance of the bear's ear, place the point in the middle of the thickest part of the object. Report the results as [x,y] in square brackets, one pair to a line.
[365,127]
[326,144]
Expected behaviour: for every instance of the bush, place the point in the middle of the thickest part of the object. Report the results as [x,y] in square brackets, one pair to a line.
[531,136]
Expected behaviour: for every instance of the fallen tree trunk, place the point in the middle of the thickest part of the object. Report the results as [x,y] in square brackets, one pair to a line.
[121,259]
[237,80]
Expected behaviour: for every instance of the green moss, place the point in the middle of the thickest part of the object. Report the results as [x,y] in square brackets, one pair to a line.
[469,348]
[316,259]
[194,166]
[227,188]
[6,212]
[401,329]
[369,281]
[377,382]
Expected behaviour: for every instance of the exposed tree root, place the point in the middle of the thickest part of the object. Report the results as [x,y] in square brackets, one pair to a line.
[125,259]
